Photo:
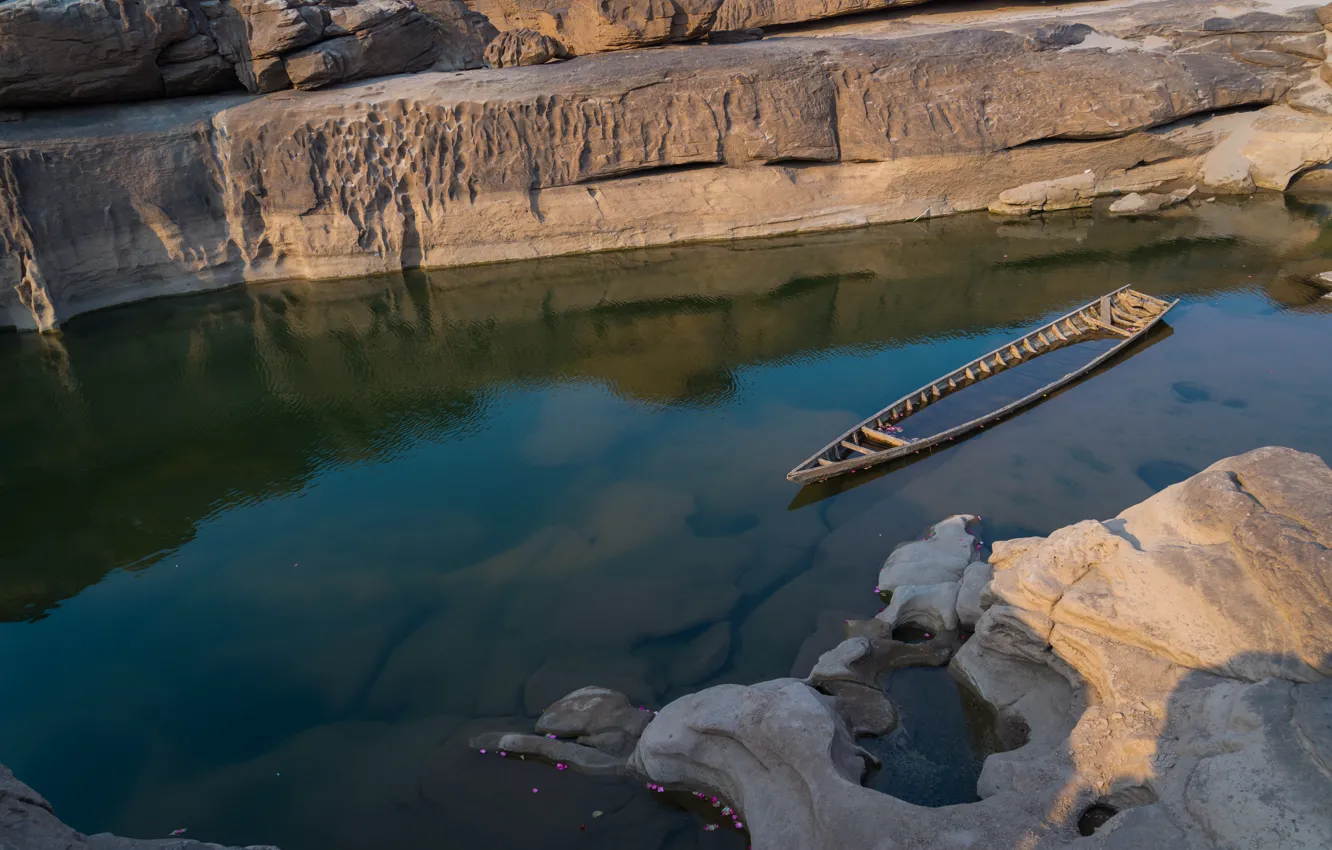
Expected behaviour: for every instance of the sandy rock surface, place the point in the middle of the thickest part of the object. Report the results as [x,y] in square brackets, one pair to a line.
[1161,675]
[866,121]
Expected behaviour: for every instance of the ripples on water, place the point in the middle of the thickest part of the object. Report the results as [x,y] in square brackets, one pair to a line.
[271,555]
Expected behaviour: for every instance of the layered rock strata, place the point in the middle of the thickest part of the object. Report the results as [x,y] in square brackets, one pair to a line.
[1162,676]
[595,26]
[99,207]
[55,52]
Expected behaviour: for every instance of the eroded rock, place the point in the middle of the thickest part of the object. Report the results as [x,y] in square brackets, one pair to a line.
[941,556]
[463,34]
[932,607]
[974,582]
[523,47]
[1145,203]
[1064,193]
[539,163]
[56,52]
[595,27]
[604,725]
[1162,677]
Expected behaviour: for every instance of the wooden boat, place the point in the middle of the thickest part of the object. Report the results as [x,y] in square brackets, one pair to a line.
[1123,316]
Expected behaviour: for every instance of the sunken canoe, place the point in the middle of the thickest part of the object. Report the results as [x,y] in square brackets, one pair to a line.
[1123,316]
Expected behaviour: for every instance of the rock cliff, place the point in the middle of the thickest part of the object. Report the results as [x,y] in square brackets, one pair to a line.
[55,52]
[865,123]
[1161,679]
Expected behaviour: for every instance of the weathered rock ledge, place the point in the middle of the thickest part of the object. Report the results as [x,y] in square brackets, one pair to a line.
[1163,677]
[862,123]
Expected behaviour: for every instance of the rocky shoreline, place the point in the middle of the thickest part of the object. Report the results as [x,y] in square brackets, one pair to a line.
[1160,679]
[860,121]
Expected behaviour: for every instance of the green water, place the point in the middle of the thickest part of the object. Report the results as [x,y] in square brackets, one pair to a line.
[272,555]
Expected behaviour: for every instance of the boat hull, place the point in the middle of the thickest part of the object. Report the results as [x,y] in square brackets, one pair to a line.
[810,473]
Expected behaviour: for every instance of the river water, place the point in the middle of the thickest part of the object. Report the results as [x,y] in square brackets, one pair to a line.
[272,555]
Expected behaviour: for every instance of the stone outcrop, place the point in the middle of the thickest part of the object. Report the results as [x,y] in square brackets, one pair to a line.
[27,822]
[626,149]
[55,52]
[523,47]
[369,39]
[1162,678]
[69,51]
[1064,193]
[595,27]
[594,729]
[1149,202]
[463,34]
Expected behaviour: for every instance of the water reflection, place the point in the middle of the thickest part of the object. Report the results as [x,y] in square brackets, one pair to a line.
[300,541]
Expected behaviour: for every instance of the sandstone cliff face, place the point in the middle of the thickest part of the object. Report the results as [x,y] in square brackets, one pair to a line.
[435,170]
[1167,667]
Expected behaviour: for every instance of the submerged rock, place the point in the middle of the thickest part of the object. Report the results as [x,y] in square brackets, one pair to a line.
[27,822]
[590,711]
[603,722]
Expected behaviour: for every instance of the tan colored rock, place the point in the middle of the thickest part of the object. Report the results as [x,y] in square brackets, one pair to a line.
[1284,143]
[390,38]
[596,27]
[585,155]
[464,34]
[1064,193]
[275,27]
[1324,15]
[1150,202]
[1312,95]
[1180,678]
[78,51]
[523,47]
[71,51]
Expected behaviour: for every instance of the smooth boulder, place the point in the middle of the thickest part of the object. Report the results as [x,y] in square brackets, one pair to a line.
[1161,678]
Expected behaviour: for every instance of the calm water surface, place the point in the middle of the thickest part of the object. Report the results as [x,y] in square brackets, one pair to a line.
[271,556]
